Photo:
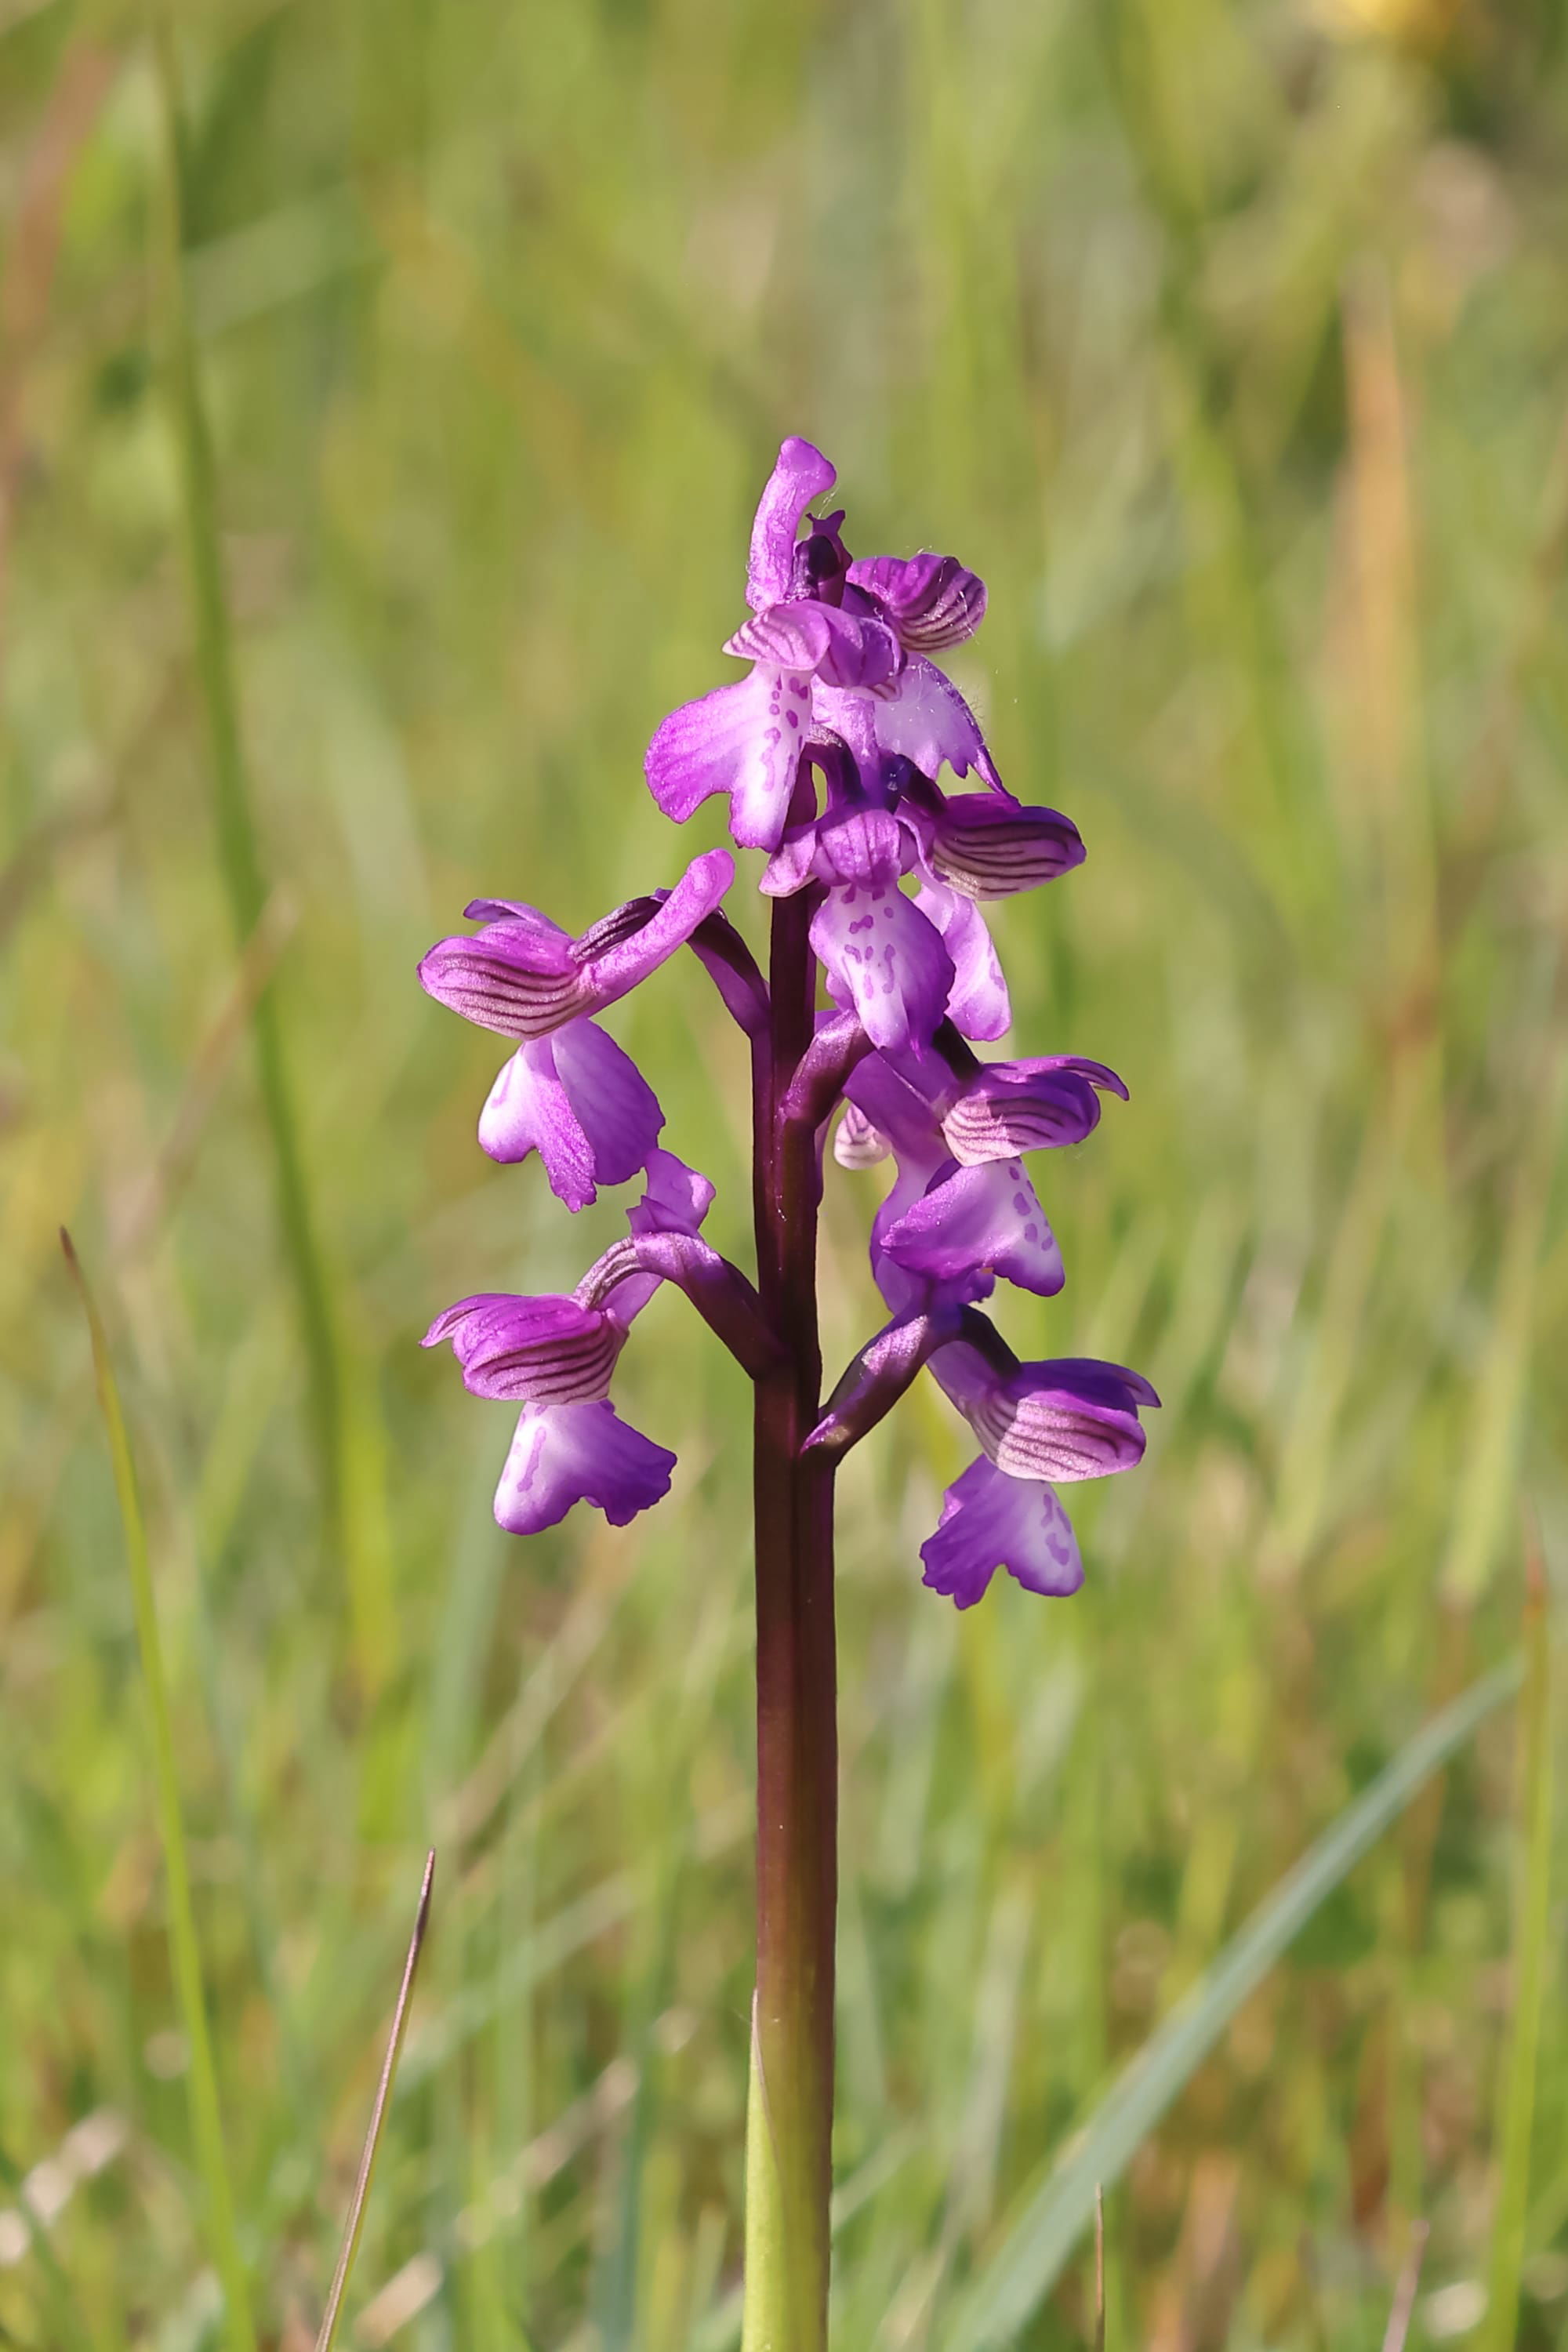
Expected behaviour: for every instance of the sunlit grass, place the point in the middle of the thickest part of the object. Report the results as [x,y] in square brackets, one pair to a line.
[1231,345]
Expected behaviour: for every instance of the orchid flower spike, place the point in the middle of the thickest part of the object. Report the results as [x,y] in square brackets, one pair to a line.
[831,754]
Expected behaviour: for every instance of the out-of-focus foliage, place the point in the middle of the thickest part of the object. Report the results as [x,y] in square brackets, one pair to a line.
[1230,342]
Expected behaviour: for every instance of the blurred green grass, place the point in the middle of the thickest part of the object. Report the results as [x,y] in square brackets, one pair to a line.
[1231,344]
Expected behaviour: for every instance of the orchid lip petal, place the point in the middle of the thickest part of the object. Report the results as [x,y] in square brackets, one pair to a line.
[885,958]
[582,1452]
[985,1218]
[991,1521]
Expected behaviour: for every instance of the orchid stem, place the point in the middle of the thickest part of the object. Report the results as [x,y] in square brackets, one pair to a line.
[790,2120]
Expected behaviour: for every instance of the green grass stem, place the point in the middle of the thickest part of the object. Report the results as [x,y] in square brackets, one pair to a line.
[239,851]
[184,1949]
[1531,1939]
[354,2226]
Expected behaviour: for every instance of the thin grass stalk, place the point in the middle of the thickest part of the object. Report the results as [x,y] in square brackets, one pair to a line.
[1404,2303]
[354,2226]
[184,1949]
[239,854]
[1533,1931]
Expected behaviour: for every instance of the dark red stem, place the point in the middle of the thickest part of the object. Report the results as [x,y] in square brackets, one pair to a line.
[797,1759]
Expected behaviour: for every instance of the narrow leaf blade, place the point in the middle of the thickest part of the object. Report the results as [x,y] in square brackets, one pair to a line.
[1022,2273]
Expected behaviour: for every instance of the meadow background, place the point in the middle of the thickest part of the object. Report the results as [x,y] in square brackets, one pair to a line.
[1230,343]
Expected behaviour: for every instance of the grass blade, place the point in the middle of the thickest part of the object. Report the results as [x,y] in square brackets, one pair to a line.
[1398,2327]
[1531,1938]
[355,2223]
[239,853]
[1013,2285]
[185,1951]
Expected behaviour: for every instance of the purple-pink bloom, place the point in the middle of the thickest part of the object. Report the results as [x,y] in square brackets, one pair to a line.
[833,646]
[1071,1419]
[841,694]
[958,1218]
[569,1092]
[555,1356]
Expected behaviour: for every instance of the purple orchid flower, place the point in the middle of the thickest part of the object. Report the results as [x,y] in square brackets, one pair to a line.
[833,646]
[569,1092]
[962,1210]
[1040,1425]
[556,1355]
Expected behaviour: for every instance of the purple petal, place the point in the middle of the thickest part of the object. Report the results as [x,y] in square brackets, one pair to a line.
[1090,1378]
[528,932]
[527,1110]
[897,1109]
[979,1220]
[990,1521]
[508,977]
[989,846]
[562,1454]
[844,649]
[677,1199]
[863,844]
[931,600]
[1070,1419]
[928,721]
[789,869]
[978,1006]
[862,655]
[615,1109]
[856,1142]
[547,1350]
[791,636]
[1014,1106]
[744,741]
[630,957]
[801,475]
[582,1104]
[885,958]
